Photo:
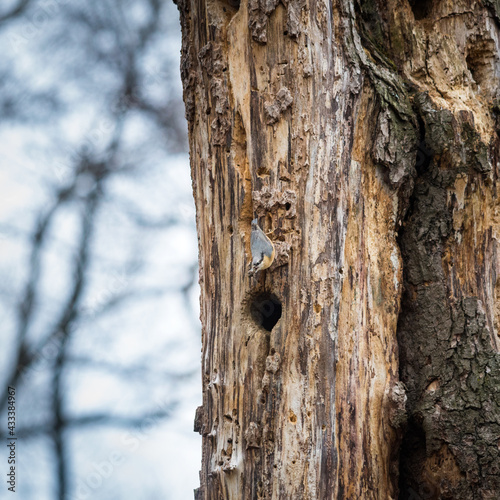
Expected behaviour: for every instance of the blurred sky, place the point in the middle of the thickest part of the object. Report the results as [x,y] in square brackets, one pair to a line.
[60,74]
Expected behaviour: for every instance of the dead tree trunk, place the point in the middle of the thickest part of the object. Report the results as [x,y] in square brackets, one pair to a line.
[364,137]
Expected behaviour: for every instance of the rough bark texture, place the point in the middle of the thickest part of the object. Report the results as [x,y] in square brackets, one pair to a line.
[363,135]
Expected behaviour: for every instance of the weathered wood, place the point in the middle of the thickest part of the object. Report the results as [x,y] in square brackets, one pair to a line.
[319,118]
[448,329]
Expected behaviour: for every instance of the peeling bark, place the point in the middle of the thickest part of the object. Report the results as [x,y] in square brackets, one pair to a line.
[364,137]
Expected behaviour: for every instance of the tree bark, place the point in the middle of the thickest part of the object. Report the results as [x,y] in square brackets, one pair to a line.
[364,137]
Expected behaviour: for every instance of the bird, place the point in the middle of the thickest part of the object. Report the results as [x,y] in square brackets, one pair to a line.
[262,249]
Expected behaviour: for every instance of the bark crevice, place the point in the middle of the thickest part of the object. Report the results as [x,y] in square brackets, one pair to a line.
[447,359]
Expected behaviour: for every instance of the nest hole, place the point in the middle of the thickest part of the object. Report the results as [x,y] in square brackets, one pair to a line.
[421,8]
[266,309]
[233,4]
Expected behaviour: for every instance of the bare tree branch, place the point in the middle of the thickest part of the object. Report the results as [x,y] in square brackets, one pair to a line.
[15,11]
[28,299]
[139,371]
[68,314]
[98,419]
[120,44]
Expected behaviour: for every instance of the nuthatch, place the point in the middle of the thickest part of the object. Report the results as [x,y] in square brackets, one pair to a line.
[262,249]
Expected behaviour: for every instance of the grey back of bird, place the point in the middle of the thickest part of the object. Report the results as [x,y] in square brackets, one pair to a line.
[260,245]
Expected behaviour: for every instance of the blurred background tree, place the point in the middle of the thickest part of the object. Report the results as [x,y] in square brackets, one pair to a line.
[98,272]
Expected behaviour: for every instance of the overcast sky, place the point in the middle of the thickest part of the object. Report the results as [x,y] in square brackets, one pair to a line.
[59,78]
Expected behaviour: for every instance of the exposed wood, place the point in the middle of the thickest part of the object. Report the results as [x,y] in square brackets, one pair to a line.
[364,138]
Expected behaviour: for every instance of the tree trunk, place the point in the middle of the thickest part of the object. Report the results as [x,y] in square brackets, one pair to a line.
[363,136]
